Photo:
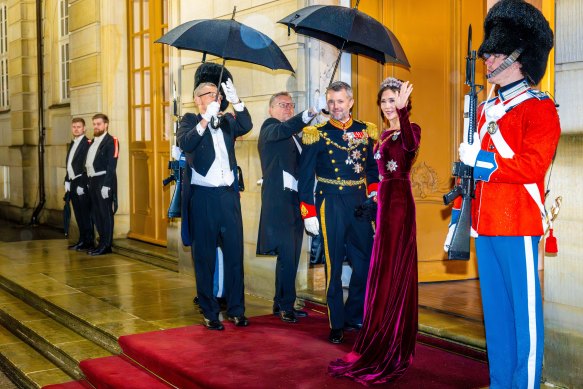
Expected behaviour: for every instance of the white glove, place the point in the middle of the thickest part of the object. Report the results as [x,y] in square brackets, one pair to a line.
[67,186]
[469,152]
[176,152]
[105,192]
[230,91]
[80,191]
[448,238]
[212,110]
[312,225]
[319,102]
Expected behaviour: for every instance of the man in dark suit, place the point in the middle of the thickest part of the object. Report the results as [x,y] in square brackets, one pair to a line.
[281,227]
[76,184]
[212,199]
[101,171]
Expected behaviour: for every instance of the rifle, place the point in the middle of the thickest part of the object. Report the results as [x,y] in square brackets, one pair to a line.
[176,167]
[464,175]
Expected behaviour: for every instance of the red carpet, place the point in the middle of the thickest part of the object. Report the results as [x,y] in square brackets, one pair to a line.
[271,354]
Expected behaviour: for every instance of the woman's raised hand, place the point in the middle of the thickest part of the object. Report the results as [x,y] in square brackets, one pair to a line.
[403,95]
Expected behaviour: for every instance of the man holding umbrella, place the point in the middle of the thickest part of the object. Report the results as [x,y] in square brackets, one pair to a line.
[76,184]
[213,203]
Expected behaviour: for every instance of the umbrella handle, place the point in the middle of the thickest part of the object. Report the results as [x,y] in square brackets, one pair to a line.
[337,62]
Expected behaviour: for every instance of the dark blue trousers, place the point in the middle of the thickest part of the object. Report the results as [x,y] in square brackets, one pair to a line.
[344,237]
[82,210]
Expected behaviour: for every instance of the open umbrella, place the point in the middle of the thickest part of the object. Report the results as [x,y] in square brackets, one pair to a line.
[66,213]
[229,40]
[349,30]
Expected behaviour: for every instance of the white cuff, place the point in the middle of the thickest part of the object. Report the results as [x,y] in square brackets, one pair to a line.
[199,129]
[239,106]
[306,116]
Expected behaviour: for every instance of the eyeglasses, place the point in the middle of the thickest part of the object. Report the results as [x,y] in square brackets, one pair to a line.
[286,105]
[212,94]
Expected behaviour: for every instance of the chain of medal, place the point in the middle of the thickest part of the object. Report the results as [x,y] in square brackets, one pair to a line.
[393,137]
[354,139]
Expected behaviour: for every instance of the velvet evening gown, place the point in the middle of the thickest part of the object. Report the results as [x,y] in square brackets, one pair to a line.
[385,345]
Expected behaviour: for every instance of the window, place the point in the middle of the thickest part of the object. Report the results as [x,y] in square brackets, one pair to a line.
[5,183]
[64,49]
[4,101]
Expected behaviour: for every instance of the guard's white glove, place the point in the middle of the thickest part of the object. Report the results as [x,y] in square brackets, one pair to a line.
[105,192]
[448,238]
[469,152]
[312,225]
[80,191]
[230,91]
[67,186]
[212,110]
[176,152]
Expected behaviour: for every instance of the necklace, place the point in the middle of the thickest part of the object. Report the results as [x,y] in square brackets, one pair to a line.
[393,134]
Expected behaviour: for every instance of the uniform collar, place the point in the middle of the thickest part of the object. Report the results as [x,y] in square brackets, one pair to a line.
[513,89]
[342,126]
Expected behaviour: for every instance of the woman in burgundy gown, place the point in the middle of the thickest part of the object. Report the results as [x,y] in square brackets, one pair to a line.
[385,345]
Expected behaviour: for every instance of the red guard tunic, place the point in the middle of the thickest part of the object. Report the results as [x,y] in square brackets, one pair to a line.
[503,206]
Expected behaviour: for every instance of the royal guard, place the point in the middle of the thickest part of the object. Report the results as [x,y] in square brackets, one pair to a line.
[518,135]
[338,154]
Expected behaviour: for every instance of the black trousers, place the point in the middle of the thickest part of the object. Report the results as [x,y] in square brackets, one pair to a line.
[344,236]
[82,210]
[215,214]
[288,259]
[101,211]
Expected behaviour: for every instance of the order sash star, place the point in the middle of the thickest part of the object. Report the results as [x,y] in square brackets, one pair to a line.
[392,166]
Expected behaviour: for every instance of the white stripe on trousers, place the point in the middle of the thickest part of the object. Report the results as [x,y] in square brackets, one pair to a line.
[531,301]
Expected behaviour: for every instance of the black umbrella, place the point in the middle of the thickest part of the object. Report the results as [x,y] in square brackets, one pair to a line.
[227,39]
[349,30]
[66,213]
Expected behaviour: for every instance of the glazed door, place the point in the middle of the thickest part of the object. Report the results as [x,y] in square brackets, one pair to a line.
[150,125]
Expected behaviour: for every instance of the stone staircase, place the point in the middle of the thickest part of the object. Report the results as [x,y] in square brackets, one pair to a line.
[47,329]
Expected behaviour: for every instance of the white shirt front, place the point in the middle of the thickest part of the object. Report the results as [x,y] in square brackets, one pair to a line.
[70,170]
[220,173]
[91,153]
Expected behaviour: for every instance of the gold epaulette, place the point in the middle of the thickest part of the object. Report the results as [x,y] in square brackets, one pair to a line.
[311,135]
[372,130]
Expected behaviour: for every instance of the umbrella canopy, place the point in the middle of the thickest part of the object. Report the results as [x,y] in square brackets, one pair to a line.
[227,39]
[66,213]
[349,30]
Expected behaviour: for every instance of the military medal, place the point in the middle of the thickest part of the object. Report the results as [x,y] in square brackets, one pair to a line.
[357,168]
[492,127]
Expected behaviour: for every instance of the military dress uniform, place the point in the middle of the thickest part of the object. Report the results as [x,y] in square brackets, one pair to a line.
[101,167]
[340,157]
[519,131]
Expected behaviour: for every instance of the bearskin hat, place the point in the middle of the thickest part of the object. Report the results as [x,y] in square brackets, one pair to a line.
[513,24]
[210,72]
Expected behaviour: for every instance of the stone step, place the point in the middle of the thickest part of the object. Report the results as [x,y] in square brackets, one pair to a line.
[25,367]
[144,252]
[62,346]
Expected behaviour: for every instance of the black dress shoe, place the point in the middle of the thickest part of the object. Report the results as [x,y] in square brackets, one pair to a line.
[100,251]
[195,301]
[352,327]
[75,246]
[297,312]
[288,316]
[213,324]
[336,336]
[85,246]
[239,321]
